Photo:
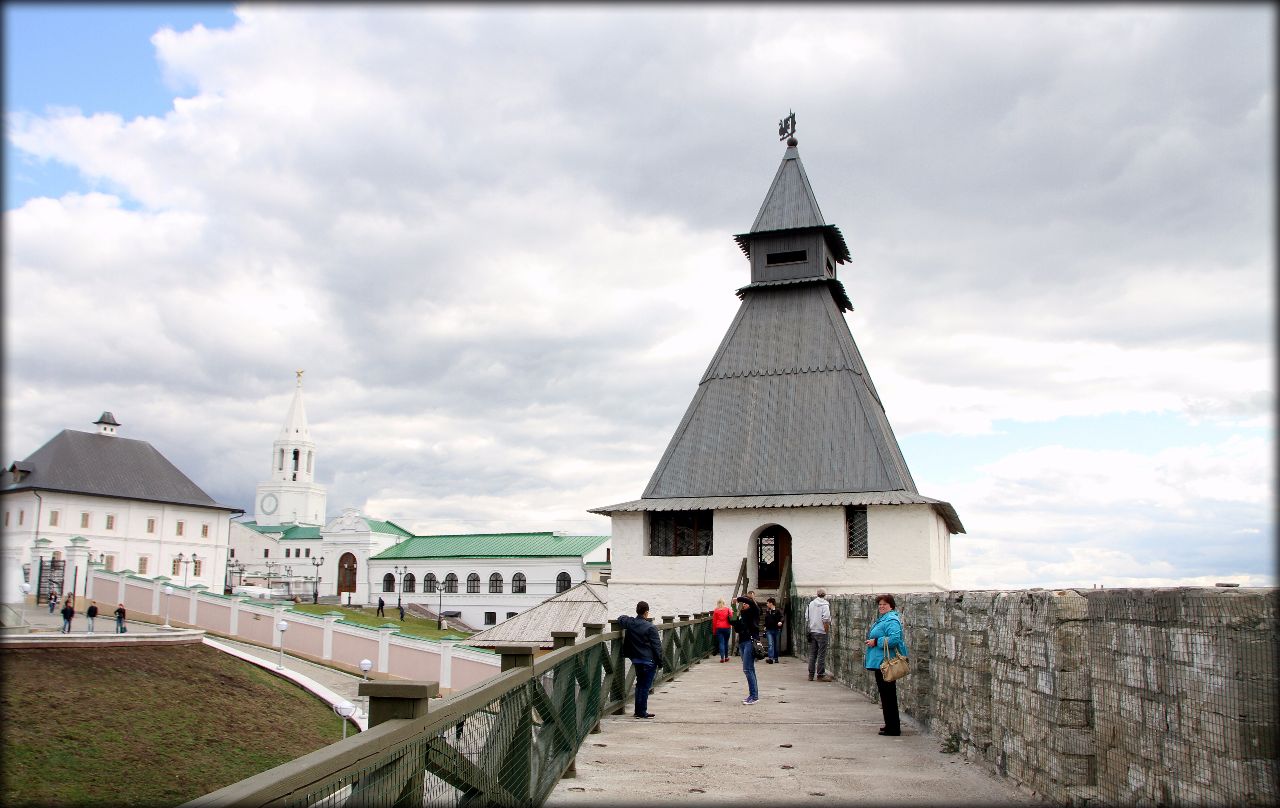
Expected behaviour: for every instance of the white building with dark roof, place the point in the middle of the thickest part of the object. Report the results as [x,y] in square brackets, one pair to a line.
[785,455]
[99,497]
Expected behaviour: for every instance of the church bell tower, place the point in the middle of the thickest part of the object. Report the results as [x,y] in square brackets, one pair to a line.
[291,495]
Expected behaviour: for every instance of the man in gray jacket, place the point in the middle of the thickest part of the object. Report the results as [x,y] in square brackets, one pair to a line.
[643,646]
[818,619]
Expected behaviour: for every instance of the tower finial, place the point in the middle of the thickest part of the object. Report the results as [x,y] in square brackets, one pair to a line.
[787,129]
[299,372]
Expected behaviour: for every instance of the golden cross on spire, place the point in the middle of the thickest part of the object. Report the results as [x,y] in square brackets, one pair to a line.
[299,372]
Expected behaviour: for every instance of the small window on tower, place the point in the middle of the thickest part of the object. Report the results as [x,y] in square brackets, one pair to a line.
[788,257]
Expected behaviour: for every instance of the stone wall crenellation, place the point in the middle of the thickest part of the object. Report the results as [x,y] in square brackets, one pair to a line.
[1125,696]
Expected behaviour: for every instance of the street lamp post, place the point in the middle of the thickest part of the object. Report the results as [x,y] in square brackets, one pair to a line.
[400,571]
[271,566]
[439,605]
[345,710]
[315,585]
[283,625]
[365,665]
[288,581]
[168,590]
[238,568]
[184,561]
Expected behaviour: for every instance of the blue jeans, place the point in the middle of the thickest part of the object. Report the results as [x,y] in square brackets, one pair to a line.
[748,651]
[90,619]
[66,625]
[722,637]
[775,642]
[645,671]
[119,625]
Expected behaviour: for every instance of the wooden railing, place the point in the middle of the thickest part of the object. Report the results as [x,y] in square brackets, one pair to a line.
[506,741]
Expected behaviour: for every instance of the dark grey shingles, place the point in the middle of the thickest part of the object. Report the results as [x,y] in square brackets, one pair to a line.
[104,465]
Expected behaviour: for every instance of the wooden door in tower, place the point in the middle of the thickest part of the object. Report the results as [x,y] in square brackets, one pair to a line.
[773,548]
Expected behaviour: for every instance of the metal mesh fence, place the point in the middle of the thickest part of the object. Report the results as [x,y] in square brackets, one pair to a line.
[1184,693]
[501,744]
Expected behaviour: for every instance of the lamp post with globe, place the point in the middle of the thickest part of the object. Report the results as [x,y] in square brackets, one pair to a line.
[283,626]
[345,710]
[168,590]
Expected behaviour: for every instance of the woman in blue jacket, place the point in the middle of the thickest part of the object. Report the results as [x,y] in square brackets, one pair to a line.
[887,627]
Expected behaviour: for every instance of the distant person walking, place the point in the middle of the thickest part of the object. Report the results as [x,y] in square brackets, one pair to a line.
[748,629]
[381,606]
[400,606]
[120,619]
[886,631]
[817,619]
[720,628]
[53,601]
[91,613]
[773,627]
[642,645]
[68,612]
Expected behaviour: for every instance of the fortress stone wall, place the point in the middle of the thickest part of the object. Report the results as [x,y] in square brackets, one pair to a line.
[1102,696]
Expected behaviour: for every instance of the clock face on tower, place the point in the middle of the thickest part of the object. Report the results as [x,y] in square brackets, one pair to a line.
[270,503]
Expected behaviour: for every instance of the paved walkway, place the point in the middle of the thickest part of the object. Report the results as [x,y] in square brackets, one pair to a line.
[803,743]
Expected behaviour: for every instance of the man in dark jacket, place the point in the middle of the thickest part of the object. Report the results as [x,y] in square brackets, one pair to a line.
[68,612]
[748,629]
[381,606]
[642,645]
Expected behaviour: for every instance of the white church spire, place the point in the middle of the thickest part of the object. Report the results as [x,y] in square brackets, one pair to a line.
[295,423]
[291,494]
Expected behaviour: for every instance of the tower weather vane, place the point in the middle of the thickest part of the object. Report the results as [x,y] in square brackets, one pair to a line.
[787,126]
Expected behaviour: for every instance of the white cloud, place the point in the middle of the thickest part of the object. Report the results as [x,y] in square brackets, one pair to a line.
[498,239]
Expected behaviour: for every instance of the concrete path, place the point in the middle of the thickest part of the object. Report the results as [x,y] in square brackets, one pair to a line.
[804,743]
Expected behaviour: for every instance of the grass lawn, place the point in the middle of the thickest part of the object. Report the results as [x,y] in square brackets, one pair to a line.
[413,626]
[146,726]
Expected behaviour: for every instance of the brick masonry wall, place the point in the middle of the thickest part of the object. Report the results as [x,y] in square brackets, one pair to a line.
[1112,696]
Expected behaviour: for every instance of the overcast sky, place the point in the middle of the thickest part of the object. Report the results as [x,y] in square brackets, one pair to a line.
[499,242]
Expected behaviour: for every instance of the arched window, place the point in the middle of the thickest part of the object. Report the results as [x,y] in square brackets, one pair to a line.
[563,582]
[517,584]
[388,583]
[495,583]
[473,584]
[408,583]
[429,582]
[450,583]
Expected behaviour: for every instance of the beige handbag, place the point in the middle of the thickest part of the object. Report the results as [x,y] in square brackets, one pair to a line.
[893,668]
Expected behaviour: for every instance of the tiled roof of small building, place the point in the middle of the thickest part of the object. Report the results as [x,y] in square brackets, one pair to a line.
[567,611]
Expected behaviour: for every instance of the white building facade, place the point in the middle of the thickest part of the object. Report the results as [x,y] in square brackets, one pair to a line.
[485,578]
[108,500]
[785,459]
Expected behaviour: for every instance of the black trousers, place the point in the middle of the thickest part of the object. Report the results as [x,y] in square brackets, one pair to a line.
[888,702]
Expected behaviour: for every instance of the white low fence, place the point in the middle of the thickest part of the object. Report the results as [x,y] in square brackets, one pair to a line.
[325,638]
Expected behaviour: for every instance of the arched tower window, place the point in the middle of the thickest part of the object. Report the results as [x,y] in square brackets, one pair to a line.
[518,584]
[429,582]
[495,584]
[473,584]
[388,583]
[309,455]
[563,582]
[450,583]
[409,582]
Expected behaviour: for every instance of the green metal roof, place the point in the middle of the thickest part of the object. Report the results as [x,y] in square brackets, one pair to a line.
[493,545]
[392,528]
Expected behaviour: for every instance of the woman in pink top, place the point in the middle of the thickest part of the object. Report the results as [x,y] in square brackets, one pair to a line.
[720,627]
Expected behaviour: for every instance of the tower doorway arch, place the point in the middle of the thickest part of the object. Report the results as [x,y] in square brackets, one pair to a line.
[347,573]
[773,548]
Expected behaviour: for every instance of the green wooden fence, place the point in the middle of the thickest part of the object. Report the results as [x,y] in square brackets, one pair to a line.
[504,742]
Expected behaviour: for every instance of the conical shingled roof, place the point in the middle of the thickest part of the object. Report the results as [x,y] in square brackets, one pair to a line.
[790,204]
[786,407]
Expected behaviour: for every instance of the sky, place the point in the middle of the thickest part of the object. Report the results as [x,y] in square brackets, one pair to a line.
[498,240]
